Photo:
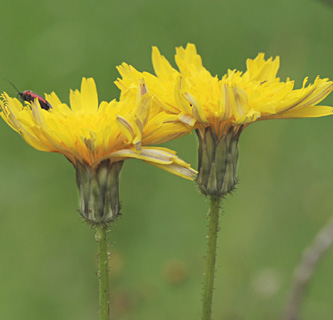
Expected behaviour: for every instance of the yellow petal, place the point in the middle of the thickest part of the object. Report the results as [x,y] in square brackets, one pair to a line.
[160,157]
[162,67]
[307,112]
[89,98]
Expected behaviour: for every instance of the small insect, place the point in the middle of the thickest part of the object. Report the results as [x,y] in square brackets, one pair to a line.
[30,96]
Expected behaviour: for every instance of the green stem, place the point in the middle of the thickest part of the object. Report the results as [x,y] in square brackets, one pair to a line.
[103,271]
[211,257]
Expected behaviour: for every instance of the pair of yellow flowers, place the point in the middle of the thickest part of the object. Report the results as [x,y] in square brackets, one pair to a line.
[98,137]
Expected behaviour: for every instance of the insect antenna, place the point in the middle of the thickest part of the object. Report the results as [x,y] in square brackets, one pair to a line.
[12,84]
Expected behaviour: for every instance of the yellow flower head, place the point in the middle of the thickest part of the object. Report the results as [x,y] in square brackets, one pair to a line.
[201,100]
[89,132]
[220,108]
[97,138]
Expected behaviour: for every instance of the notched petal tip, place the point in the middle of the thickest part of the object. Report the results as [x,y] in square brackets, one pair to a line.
[162,66]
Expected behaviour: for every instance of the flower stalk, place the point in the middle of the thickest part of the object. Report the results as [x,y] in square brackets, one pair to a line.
[103,271]
[213,217]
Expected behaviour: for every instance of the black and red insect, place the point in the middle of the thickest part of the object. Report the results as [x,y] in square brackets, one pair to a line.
[31,96]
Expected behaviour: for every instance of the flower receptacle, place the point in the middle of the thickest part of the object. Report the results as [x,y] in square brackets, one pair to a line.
[99,191]
[218,156]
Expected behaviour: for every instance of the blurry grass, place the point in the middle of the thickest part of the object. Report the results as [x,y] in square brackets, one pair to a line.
[47,255]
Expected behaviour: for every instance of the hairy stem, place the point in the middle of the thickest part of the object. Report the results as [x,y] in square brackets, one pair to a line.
[211,257]
[103,271]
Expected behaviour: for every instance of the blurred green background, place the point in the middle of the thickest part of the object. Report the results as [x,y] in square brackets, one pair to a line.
[48,256]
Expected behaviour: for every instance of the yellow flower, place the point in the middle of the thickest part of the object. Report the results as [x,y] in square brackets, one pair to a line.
[97,138]
[219,109]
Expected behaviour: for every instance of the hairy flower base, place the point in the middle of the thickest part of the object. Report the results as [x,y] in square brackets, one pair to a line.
[99,191]
[218,155]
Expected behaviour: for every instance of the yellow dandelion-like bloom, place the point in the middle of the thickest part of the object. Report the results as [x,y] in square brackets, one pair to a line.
[97,138]
[219,109]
